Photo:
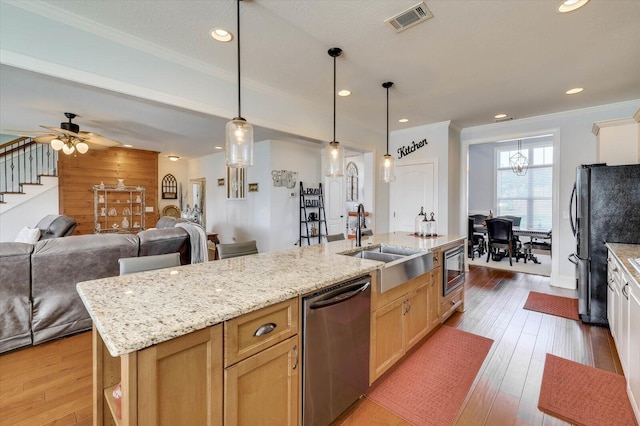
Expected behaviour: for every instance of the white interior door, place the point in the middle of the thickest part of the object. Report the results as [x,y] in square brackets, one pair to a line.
[415,186]
[335,205]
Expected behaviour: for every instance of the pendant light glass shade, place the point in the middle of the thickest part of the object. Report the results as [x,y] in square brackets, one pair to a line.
[238,132]
[387,163]
[68,149]
[334,159]
[239,143]
[334,152]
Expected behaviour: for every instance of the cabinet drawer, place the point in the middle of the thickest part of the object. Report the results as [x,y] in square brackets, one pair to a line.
[255,331]
[451,302]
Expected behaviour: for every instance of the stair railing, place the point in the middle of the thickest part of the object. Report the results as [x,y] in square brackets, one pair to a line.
[23,161]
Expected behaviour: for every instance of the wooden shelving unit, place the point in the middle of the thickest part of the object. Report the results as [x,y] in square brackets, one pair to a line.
[313,220]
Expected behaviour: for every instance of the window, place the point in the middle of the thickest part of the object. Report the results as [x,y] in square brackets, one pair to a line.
[527,196]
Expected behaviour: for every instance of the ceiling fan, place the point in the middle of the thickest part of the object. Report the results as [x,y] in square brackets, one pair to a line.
[68,138]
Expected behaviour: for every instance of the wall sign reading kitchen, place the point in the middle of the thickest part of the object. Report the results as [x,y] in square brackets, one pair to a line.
[413,147]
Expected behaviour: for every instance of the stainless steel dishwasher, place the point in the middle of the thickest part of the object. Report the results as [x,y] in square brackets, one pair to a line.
[335,344]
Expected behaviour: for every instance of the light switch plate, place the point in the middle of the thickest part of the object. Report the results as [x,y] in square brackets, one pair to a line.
[148,209]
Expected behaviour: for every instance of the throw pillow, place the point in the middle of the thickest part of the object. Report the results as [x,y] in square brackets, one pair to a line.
[28,235]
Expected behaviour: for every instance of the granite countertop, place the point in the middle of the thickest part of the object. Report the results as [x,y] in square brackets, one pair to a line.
[623,252]
[136,311]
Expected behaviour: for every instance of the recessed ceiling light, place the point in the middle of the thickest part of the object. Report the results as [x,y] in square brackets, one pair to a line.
[403,120]
[344,92]
[499,116]
[127,146]
[217,147]
[221,35]
[174,158]
[574,91]
[571,5]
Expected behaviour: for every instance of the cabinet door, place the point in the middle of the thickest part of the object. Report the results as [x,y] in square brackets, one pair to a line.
[611,296]
[416,316]
[633,377]
[264,388]
[180,381]
[387,345]
[623,328]
[435,287]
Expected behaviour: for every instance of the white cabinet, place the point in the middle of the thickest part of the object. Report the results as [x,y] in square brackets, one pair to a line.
[618,141]
[633,378]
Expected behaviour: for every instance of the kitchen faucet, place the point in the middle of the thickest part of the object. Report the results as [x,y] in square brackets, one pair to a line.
[359,225]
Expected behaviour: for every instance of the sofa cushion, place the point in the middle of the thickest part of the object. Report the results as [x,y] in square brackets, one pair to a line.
[57,265]
[15,294]
[165,240]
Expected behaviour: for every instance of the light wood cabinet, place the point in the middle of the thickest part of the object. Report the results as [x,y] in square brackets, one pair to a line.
[435,289]
[264,388]
[174,382]
[262,364]
[398,324]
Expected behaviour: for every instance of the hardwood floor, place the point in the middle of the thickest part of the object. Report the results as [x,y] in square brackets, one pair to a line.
[51,383]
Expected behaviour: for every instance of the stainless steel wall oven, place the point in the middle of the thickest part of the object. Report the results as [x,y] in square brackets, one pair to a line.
[453,271]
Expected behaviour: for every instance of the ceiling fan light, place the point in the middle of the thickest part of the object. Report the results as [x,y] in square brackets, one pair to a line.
[82,147]
[239,143]
[56,144]
[68,148]
[334,160]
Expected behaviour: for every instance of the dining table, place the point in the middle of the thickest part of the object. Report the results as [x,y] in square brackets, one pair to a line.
[521,231]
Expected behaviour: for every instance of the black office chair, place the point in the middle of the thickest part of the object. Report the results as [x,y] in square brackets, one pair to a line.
[475,242]
[502,241]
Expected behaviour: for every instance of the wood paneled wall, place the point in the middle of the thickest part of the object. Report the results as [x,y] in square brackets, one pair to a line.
[77,175]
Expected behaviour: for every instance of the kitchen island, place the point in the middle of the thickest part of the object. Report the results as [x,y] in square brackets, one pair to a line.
[171,323]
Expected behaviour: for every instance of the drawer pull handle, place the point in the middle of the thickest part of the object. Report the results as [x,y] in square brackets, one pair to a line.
[264,329]
[295,351]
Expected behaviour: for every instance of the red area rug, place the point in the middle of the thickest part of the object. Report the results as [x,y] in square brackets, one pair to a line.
[583,395]
[430,385]
[565,307]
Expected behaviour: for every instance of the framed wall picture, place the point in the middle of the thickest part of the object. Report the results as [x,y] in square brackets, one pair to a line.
[236,184]
[169,187]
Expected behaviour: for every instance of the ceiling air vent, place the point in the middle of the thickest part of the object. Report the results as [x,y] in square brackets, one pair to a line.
[410,17]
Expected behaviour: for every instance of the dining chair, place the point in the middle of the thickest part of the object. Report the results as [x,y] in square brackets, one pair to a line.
[227,251]
[335,237]
[475,242]
[515,219]
[501,240]
[130,265]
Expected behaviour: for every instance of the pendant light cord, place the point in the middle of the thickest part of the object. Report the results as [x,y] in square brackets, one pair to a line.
[238,29]
[387,120]
[334,98]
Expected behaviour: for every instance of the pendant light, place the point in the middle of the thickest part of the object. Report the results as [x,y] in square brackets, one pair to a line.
[387,166]
[519,162]
[334,153]
[239,133]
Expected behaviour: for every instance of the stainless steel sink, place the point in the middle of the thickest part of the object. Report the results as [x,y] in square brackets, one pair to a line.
[401,264]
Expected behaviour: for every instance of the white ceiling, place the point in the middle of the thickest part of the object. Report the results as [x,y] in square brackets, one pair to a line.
[472,60]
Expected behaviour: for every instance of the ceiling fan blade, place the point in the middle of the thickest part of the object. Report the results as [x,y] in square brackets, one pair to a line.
[65,132]
[44,138]
[96,139]
[26,132]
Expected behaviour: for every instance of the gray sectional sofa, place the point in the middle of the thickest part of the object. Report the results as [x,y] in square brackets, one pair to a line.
[38,297]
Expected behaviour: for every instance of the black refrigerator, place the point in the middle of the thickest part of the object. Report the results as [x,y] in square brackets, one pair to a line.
[605,207]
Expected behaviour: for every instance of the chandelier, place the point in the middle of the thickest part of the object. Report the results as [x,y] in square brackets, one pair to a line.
[69,145]
[519,162]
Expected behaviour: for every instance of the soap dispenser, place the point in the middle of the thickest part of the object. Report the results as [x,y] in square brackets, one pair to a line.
[419,219]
